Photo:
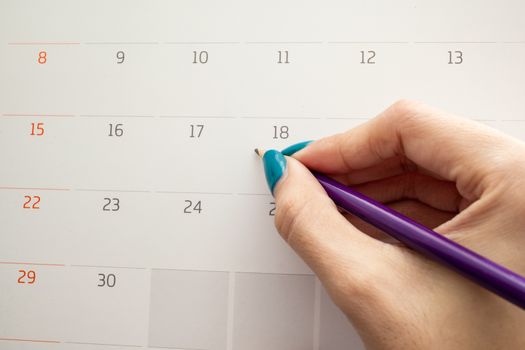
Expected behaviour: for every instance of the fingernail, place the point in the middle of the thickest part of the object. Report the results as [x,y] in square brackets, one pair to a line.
[274,167]
[288,151]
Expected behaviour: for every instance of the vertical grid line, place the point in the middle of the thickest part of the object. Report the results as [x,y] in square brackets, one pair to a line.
[231,300]
[317,314]
[148,334]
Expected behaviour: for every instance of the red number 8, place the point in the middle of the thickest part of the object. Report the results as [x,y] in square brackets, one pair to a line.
[42,57]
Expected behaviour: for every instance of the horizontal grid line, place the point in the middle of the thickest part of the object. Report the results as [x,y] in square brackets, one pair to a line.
[282,42]
[252,194]
[202,42]
[134,191]
[284,118]
[110,190]
[37,43]
[103,344]
[187,192]
[34,188]
[236,272]
[115,116]
[29,263]
[455,42]
[347,118]
[121,43]
[37,115]
[368,42]
[109,267]
[174,348]
[196,117]
[155,268]
[31,340]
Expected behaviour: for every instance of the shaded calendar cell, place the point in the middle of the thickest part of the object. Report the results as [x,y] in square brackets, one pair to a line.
[32,301]
[107,305]
[188,309]
[336,331]
[19,344]
[273,312]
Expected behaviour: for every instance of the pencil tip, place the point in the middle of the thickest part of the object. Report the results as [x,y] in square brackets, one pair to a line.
[256,151]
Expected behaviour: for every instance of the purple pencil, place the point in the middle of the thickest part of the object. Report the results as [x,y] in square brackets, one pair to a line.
[496,278]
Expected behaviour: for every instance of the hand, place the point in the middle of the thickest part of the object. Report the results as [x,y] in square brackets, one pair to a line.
[461,178]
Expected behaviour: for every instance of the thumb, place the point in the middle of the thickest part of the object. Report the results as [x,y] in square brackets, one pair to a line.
[312,225]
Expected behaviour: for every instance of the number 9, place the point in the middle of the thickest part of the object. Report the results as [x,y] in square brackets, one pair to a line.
[120,57]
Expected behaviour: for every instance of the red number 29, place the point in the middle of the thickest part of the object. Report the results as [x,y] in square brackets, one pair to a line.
[28,277]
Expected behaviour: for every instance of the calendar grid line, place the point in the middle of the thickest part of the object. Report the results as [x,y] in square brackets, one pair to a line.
[281,118]
[455,42]
[202,42]
[132,191]
[368,42]
[188,192]
[110,190]
[115,116]
[198,117]
[30,340]
[109,267]
[282,42]
[317,314]
[231,311]
[37,115]
[347,118]
[104,344]
[174,348]
[121,43]
[232,271]
[34,188]
[329,42]
[252,194]
[30,263]
[38,43]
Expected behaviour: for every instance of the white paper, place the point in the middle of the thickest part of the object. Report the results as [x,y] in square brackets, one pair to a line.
[151,110]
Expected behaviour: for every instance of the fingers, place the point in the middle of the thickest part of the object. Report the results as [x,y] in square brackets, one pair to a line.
[454,148]
[437,194]
[310,222]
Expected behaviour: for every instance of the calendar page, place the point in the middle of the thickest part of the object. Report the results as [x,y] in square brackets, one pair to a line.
[133,211]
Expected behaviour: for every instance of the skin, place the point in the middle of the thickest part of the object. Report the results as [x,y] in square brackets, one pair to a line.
[463,179]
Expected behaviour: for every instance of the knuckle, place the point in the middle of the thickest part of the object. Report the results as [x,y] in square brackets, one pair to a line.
[404,107]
